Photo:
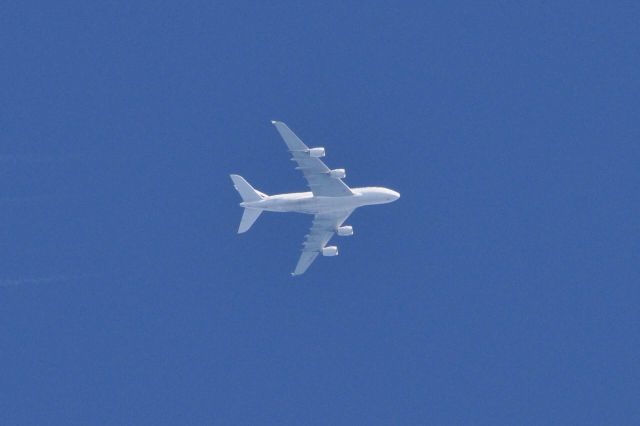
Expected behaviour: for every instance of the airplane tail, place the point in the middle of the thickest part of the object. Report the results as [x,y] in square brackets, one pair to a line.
[246,191]
[249,217]
[248,194]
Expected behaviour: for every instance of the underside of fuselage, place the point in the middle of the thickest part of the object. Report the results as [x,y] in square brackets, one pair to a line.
[331,201]
[306,202]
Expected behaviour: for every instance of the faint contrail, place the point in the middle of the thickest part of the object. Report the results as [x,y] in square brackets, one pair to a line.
[25,199]
[10,158]
[11,282]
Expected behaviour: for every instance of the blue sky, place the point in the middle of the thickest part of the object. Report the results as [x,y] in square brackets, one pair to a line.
[502,288]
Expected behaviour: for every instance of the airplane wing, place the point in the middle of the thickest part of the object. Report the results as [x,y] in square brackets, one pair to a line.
[322,229]
[314,170]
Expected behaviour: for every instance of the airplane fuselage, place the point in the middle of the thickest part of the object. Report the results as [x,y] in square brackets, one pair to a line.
[331,201]
[306,202]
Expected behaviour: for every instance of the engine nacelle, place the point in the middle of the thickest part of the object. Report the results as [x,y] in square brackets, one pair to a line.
[345,231]
[316,152]
[338,173]
[330,251]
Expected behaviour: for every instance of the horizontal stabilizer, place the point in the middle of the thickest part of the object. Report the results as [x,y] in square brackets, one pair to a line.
[245,190]
[248,218]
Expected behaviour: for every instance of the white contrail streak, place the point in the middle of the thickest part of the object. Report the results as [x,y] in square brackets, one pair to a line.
[25,199]
[12,282]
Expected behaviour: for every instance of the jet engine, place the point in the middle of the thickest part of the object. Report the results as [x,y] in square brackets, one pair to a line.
[345,231]
[330,251]
[316,152]
[338,173]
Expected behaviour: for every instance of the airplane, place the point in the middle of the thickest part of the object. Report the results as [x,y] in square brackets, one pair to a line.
[330,200]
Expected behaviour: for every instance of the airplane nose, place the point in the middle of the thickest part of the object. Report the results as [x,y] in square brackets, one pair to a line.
[396,195]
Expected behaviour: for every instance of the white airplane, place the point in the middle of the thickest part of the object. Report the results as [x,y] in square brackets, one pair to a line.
[331,201]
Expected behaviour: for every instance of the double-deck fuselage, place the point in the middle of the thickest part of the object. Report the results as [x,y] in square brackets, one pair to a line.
[306,202]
